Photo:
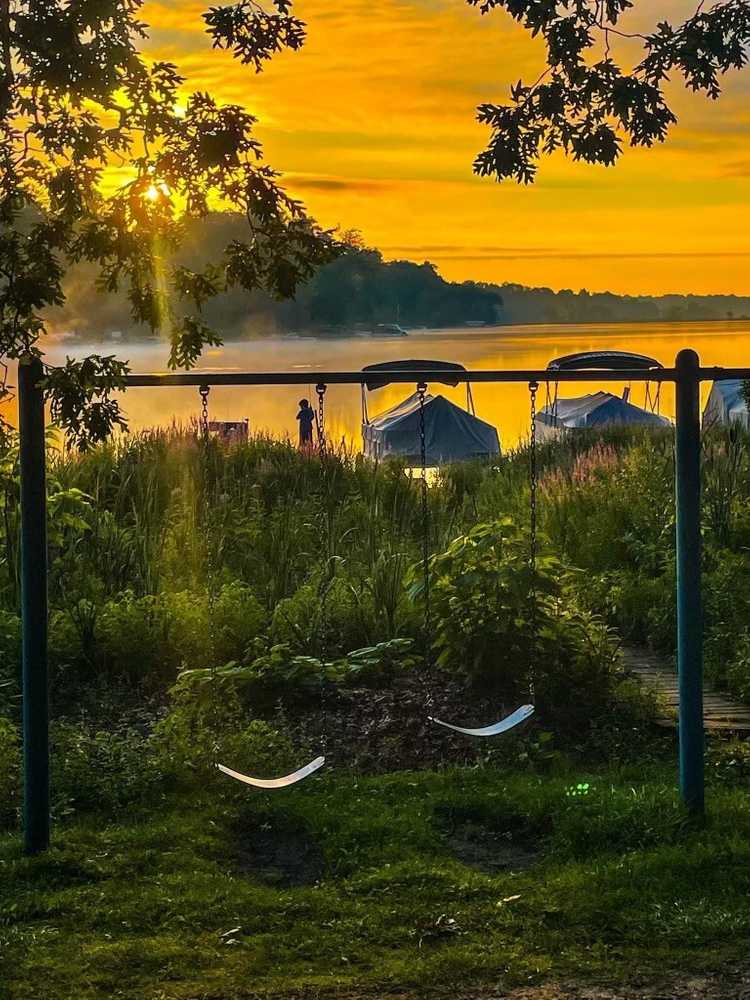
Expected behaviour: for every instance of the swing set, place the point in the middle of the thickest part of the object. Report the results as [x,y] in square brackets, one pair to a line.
[687,376]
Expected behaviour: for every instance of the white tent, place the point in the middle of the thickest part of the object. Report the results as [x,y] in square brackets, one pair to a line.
[726,404]
[598,409]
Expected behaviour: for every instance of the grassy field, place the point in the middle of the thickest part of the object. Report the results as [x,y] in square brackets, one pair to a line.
[406,881]
[251,605]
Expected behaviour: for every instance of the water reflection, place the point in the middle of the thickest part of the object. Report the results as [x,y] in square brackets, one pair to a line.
[273,409]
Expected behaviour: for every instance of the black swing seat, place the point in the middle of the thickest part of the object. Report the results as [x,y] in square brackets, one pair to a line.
[282,782]
[509,722]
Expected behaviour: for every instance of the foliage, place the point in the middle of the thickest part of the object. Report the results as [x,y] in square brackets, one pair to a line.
[207,723]
[508,629]
[110,770]
[76,95]
[10,772]
[728,762]
[585,102]
[615,887]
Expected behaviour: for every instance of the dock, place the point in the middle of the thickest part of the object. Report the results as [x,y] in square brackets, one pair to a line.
[657,672]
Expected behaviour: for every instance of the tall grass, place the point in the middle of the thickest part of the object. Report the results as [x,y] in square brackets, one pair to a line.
[158,514]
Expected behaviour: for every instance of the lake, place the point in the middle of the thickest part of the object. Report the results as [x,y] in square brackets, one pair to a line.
[506,406]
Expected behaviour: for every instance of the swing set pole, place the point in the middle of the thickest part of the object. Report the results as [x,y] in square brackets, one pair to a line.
[689,610]
[36,821]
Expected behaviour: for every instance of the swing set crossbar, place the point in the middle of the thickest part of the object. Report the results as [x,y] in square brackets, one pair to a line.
[204,378]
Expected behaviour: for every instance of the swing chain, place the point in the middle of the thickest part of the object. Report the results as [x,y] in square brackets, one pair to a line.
[425,513]
[533,483]
[204,393]
[320,388]
[210,534]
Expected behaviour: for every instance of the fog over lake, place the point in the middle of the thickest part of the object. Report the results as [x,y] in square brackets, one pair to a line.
[273,409]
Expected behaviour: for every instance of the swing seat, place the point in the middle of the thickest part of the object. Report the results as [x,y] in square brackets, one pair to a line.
[283,782]
[509,722]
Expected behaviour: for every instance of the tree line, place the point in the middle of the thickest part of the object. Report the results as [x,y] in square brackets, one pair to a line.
[359,289]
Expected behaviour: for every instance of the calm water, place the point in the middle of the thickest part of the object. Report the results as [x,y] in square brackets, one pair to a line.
[273,409]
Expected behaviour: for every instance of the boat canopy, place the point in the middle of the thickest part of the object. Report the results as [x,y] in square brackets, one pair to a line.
[452,434]
[726,404]
[379,381]
[604,361]
[596,410]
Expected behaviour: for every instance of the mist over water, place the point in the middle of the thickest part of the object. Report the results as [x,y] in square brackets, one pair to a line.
[273,409]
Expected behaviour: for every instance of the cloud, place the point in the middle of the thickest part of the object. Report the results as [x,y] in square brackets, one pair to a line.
[335,184]
[373,124]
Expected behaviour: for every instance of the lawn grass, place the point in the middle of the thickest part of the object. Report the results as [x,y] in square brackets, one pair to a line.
[618,881]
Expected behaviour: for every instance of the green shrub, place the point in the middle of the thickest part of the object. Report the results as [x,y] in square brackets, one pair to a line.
[10,644]
[133,639]
[239,618]
[735,672]
[490,627]
[728,762]
[10,773]
[326,619]
[207,724]
[102,770]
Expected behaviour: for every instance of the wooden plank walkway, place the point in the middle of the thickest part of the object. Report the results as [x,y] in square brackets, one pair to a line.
[657,672]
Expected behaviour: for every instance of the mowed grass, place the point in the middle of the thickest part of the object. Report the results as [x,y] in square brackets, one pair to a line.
[163,905]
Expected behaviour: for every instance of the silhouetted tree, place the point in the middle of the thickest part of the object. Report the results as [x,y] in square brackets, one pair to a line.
[76,99]
[585,102]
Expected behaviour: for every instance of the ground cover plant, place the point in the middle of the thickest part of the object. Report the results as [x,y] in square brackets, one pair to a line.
[255,605]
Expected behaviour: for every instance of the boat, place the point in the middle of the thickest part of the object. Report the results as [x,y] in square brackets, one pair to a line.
[726,404]
[452,433]
[598,409]
[389,330]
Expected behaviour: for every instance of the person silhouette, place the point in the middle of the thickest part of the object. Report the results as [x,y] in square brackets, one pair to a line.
[306,417]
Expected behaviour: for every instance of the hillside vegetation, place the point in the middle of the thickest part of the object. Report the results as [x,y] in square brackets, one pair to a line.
[361,289]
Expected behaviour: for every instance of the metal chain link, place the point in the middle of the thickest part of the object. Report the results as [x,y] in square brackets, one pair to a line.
[533,482]
[209,525]
[425,513]
[321,391]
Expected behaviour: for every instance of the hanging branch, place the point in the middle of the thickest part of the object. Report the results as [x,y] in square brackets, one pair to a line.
[589,106]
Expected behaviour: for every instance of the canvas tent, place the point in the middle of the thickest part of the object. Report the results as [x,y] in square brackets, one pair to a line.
[598,409]
[452,433]
[726,404]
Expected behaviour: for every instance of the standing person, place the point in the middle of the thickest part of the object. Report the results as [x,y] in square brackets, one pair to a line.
[306,417]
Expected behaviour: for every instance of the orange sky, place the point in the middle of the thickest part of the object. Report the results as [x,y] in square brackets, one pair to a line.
[373,124]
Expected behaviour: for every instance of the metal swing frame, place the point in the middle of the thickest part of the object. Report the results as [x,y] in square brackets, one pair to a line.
[686,375]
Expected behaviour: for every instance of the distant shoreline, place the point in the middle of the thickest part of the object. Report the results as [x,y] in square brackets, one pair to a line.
[413,332]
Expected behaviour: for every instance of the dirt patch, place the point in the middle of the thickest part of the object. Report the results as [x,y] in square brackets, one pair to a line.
[491,851]
[731,983]
[279,857]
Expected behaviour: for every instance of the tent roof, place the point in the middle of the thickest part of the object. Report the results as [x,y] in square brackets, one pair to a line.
[599,408]
[604,361]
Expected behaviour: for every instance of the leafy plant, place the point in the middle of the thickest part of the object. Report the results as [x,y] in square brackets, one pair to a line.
[10,772]
[76,96]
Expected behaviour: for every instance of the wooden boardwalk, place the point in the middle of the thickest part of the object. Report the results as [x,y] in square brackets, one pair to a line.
[657,672]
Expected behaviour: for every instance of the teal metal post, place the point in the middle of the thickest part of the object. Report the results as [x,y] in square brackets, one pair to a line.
[36,821]
[689,610]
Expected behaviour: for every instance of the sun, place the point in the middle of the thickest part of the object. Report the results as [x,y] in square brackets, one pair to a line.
[156,191]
